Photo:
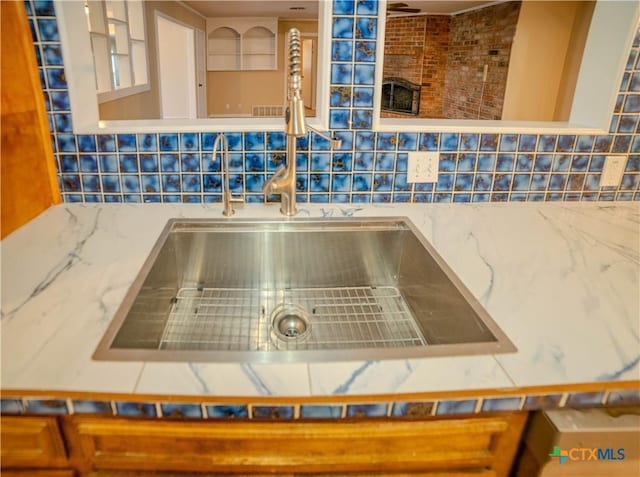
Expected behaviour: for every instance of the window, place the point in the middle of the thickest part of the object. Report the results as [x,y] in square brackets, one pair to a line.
[118,43]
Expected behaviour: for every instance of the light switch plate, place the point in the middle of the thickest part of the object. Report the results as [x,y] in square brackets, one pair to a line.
[423,167]
[613,170]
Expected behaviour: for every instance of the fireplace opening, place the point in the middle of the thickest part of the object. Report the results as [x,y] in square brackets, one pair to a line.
[400,96]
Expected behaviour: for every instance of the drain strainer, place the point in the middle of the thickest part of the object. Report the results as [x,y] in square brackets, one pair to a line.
[289,324]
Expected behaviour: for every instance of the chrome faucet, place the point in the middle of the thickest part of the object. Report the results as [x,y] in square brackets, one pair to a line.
[227,199]
[283,181]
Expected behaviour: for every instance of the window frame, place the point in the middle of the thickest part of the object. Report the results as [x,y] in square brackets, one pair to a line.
[117,93]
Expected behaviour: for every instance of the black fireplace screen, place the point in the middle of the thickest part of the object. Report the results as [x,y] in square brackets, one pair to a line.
[400,96]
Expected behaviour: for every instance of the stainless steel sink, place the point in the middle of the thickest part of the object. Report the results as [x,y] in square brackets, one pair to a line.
[296,290]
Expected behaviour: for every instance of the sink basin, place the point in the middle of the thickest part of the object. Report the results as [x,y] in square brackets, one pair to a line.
[296,290]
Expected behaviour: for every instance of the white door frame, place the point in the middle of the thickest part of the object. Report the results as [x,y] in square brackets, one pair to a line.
[201,65]
[313,70]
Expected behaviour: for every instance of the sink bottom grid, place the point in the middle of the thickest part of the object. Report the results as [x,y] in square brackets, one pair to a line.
[239,319]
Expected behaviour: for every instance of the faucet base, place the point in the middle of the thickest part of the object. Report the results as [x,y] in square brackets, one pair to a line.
[289,212]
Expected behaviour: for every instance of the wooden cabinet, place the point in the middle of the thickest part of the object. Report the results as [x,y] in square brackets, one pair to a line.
[110,447]
[31,442]
[235,44]
[27,166]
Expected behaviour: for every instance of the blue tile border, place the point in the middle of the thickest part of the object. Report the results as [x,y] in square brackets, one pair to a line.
[11,406]
[85,406]
[412,409]
[227,411]
[330,409]
[45,406]
[136,409]
[179,411]
[535,402]
[317,411]
[272,412]
[463,406]
[501,404]
[624,397]
[585,399]
[367,410]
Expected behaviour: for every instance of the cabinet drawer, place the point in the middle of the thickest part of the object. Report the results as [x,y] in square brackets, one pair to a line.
[382,445]
[31,442]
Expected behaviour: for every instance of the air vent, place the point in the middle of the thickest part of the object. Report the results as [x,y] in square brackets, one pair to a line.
[267,111]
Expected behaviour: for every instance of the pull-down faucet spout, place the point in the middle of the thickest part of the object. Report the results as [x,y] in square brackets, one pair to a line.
[294,115]
[283,181]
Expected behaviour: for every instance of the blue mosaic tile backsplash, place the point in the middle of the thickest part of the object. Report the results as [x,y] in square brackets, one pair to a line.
[368,167]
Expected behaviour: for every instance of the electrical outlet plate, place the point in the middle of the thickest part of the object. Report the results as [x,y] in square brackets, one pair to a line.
[423,167]
[613,170]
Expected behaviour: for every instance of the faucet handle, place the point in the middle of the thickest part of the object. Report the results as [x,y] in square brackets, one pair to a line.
[334,141]
[268,186]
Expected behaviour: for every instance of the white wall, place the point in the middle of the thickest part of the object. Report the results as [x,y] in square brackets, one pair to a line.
[538,55]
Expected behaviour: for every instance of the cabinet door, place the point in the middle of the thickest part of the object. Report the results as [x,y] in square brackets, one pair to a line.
[291,447]
[27,164]
[31,442]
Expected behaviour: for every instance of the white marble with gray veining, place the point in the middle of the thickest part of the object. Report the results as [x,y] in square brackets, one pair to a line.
[561,280]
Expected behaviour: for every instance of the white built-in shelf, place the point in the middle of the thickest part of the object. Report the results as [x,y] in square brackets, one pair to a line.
[235,44]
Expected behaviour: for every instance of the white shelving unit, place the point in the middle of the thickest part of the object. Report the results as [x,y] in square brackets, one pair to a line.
[223,49]
[238,44]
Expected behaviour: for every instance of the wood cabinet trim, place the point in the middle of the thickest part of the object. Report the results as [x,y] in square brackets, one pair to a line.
[342,399]
[37,473]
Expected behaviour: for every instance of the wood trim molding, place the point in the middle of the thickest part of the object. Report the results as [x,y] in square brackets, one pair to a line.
[342,399]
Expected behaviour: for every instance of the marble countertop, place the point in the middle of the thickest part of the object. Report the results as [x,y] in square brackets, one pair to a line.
[561,280]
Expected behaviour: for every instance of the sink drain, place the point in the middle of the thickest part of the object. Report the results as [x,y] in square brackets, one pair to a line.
[290,324]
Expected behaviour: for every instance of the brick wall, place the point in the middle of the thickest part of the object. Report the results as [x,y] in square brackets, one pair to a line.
[446,56]
[416,50]
[478,38]
[403,51]
[434,66]
[403,48]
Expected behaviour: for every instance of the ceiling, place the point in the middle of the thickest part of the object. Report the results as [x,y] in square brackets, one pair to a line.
[441,7]
[309,8]
[252,8]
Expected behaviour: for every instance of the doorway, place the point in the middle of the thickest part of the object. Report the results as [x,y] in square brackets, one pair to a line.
[309,61]
[176,51]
